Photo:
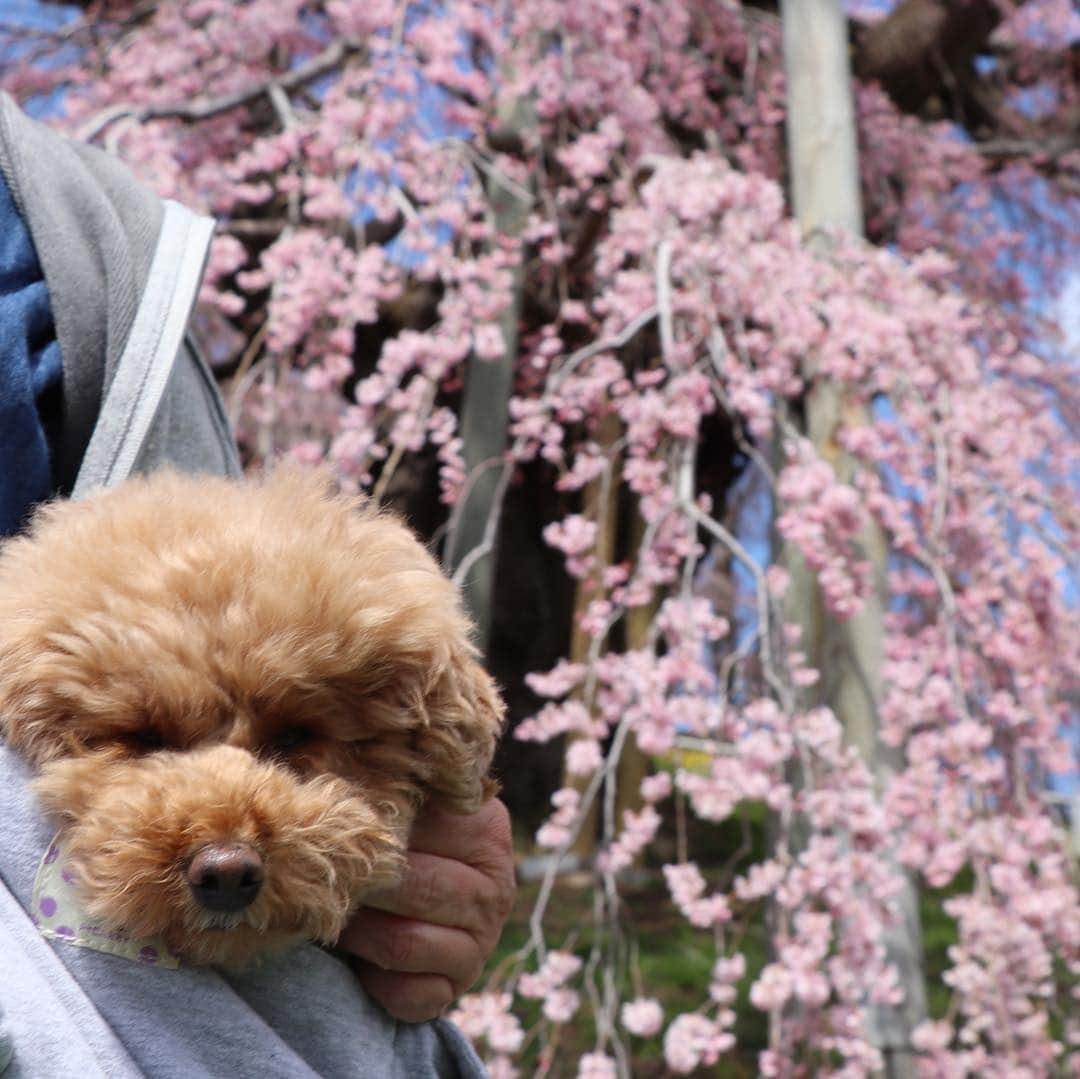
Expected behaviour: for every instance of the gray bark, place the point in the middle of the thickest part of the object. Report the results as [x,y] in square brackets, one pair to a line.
[823,161]
[485,418]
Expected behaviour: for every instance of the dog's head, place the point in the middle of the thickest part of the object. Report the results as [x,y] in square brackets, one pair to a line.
[237,696]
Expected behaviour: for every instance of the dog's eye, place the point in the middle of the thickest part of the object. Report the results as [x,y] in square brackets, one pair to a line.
[290,738]
[146,739]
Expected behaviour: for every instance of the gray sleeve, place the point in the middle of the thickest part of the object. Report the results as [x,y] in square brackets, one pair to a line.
[190,431]
[52,1027]
[5,1044]
[457,1052]
[346,1033]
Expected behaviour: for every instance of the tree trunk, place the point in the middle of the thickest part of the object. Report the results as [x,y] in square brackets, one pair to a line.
[600,503]
[634,765]
[485,413]
[823,163]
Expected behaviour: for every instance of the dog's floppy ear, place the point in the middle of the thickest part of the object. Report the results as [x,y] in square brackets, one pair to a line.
[37,650]
[464,717]
[66,788]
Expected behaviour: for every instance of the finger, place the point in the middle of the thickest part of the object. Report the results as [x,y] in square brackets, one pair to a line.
[403,945]
[409,998]
[482,839]
[446,892]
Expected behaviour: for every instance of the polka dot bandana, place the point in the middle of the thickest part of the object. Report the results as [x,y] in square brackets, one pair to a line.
[58,914]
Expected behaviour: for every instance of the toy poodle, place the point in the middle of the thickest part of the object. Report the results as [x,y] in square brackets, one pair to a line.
[236,696]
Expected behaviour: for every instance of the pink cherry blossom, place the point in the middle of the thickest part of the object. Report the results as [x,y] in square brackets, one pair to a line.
[643,1017]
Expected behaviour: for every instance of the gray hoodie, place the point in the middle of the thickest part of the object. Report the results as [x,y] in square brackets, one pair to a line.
[123,269]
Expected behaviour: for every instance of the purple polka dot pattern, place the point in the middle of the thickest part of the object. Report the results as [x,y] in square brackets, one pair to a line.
[58,913]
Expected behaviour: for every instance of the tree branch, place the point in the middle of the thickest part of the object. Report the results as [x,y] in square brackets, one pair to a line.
[194,111]
[1049,146]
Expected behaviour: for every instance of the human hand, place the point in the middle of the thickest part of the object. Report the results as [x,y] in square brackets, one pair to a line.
[423,943]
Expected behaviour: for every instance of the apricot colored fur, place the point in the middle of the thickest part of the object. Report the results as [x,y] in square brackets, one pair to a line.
[304,664]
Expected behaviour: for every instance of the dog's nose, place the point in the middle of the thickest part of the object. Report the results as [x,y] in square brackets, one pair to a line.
[225,877]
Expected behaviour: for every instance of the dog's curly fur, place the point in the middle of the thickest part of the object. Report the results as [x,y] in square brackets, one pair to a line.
[197,661]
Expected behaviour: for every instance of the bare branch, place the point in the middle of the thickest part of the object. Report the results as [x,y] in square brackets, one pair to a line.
[1051,146]
[576,359]
[194,111]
